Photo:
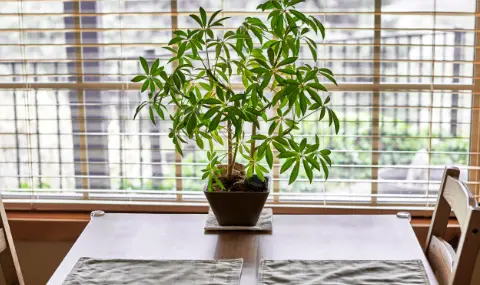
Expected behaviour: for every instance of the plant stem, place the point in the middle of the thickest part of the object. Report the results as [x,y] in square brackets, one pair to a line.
[252,144]
[206,50]
[230,152]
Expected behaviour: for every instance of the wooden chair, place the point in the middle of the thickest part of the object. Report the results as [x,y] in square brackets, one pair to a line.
[9,264]
[460,267]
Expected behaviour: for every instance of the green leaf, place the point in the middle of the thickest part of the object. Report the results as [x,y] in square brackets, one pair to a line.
[181,49]
[214,123]
[199,141]
[293,144]
[259,70]
[205,175]
[326,70]
[293,2]
[144,65]
[217,23]
[203,14]
[219,183]
[279,79]
[223,75]
[158,82]
[139,78]
[266,80]
[287,154]
[303,143]
[312,74]
[178,148]
[325,169]
[336,122]
[329,77]
[320,27]
[211,112]
[205,86]
[326,158]
[317,86]
[279,146]
[197,19]
[276,4]
[299,15]
[213,17]
[235,111]
[269,43]
[308,170]
[315,96]
[220,94]
[330,117]
[269,156]
[326,151]
[294,174]
[271,56]
[145,85]
[217,137]
[210,33]
[259,137]
[152,117]
[313,50]
[237,97]
[287,61]
[159,111]
[170,49]
[288,163]
[218,50]
[287,71]
[322,113]
[303,103]
[174,41]
[155,65]
[327,100]
[292,24]
[191,124]
[139,107]
[272,128]
[304,31]
[259,172]
[152,86]
[212,101]
[262,63]
[258,34]
[313,162]
[210,186]
[263,169]
[250,169]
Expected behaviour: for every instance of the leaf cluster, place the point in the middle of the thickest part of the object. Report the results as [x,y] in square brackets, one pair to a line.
[265,57]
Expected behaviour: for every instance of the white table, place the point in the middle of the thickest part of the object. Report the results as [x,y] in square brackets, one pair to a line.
[181,236]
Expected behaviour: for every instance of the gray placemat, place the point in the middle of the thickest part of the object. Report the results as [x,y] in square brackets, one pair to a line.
[264,223]
[90,271]
[342,272]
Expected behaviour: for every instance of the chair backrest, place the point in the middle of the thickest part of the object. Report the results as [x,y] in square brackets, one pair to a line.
[9,264]
[450,267]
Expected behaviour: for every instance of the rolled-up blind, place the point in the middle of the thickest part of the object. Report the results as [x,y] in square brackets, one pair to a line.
[408,100]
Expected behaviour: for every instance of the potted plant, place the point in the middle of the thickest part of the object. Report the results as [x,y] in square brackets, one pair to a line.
[250,87]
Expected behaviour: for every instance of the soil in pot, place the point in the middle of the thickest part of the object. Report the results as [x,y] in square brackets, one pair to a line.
[238,182]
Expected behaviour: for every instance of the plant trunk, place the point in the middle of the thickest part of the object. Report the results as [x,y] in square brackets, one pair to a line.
[252,144]
[230,161]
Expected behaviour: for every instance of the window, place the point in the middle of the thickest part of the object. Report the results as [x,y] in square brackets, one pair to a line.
[408,99]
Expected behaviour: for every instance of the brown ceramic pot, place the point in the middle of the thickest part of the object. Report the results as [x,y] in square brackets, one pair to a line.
[237,208]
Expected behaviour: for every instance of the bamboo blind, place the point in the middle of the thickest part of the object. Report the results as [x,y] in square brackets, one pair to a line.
[408,99]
